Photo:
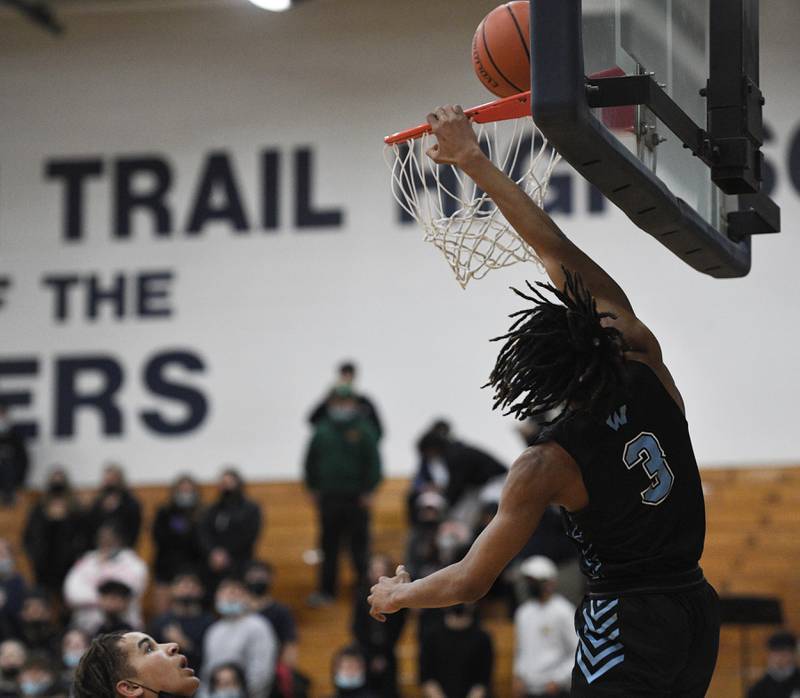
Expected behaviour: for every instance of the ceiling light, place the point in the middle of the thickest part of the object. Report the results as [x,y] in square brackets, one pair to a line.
[273,5]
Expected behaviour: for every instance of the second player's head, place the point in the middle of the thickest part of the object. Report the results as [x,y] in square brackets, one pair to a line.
[558,355]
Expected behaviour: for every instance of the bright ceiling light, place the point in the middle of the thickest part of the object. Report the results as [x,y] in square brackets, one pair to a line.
[273,5]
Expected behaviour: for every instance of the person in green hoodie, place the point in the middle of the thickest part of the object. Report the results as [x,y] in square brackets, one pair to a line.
[342,470]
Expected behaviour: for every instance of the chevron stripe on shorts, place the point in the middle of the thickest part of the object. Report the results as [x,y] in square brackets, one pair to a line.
[599,646]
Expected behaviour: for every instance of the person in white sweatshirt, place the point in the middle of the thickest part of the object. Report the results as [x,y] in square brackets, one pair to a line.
[240,636]
[544,627]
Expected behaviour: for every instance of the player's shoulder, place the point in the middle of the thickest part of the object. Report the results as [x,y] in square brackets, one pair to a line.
[549,468]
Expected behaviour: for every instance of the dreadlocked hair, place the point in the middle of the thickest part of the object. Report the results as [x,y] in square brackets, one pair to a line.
[558,355]
[101,667]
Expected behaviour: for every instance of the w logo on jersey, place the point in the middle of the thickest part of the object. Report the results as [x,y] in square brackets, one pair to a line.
[618,419]
[599,647]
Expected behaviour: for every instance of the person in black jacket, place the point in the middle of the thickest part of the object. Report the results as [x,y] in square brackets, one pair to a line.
[378,640]
[116,504]
[350,674]
[229,529]
[782,679]
[13,458]
[56,533]
[176,536]
[12,592]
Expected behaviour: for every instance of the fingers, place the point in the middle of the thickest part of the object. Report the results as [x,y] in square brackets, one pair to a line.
[376,615]
[433,152]
[402,573]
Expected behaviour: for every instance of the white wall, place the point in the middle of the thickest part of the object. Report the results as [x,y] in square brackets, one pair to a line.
[270,313]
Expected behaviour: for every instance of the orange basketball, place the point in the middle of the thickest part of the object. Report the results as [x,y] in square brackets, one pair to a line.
[501,49]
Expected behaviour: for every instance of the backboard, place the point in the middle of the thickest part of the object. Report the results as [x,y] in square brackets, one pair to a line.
[656,102]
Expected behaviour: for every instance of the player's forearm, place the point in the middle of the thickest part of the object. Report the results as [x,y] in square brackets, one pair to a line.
[447,587]
[529,220]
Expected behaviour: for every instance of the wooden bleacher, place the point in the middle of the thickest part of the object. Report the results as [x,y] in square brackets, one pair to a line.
[752,547]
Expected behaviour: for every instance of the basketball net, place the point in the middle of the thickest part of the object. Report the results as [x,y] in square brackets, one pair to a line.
[457,216]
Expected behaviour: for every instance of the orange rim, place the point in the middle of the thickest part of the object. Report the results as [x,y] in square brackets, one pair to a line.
[513,107]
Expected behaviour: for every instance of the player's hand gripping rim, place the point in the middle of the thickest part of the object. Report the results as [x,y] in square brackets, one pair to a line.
[456,141]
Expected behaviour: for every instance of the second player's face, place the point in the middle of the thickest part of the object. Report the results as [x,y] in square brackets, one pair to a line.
[159,667]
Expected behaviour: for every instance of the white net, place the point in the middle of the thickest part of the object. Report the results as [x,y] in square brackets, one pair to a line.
[457,216]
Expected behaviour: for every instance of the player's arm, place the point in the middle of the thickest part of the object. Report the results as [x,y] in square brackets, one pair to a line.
[457,145]
[542,475]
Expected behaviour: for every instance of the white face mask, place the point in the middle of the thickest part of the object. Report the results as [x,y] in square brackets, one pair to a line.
[5,425]
[781,673]
[349,681]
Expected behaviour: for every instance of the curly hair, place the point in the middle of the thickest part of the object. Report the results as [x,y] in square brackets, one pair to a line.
[558,355]
[101,667]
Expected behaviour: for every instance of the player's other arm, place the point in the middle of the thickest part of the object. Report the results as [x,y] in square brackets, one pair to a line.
[542,475]
[457,145]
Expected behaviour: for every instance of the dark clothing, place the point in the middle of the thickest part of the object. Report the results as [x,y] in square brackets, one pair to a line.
[13,463]
[768,687]
[366,409]
[364,692]
[644,525]
[281,619]
[177,539]
[550,539]
[658,645]
[343,458]
[54,544]
[289,683]
[114,625]
[194,627]
[457,659]
[125,514]
[12,594]
[378,640]
[232,523]
[41,637]
[342,516]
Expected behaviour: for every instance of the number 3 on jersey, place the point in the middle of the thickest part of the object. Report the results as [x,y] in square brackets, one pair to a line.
[645,450]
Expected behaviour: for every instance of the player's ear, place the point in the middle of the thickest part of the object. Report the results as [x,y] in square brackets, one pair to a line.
[128,689]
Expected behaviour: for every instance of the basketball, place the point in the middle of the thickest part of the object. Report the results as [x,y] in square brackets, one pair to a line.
[501,49]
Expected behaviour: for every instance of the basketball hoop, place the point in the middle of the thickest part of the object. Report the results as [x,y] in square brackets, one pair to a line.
[456,216]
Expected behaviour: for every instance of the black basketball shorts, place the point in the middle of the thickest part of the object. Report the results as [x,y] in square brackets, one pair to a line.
[647,645]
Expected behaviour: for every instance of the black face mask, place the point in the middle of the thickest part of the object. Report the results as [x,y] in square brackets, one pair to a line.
[189,600]
[112,489]
[258,588]
[11,672]
[535,589]
[57,487]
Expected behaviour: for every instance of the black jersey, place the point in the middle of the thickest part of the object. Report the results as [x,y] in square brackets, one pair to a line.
[644,526]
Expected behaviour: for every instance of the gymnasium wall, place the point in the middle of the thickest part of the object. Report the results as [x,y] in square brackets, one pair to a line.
[206,331]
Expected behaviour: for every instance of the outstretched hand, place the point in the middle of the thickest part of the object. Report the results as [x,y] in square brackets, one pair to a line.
[456,139]
[380,598]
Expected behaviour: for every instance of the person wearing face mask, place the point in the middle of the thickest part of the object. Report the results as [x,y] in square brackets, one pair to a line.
[12,591]
[186,620]
[545,635]
[56,532]
[13,458]
[12,658]
[117,505]
[229,529]
[73,646]
[133,665]
[240,636]
[782,679]
[39,679]
[456,659]
[38,629]
[227,681]
[176,537]
[342,470]
[349,673]
[110,560]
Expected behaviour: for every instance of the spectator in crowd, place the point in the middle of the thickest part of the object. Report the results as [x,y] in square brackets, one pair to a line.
[39,677]
[456,470]
[545,635]
[13,458]
[240,636]
[259,577]
[349,673]
[38,627]
[456,659]
[111,560]
[176,536]
[422,556]
[186,621]
[378,640]
[73,646]
[342,469]
[366,408]
[12,592]
[13,656]
[115,504]
[227,681]
[56,533]
[229,529]
[114,600]
[782,679]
